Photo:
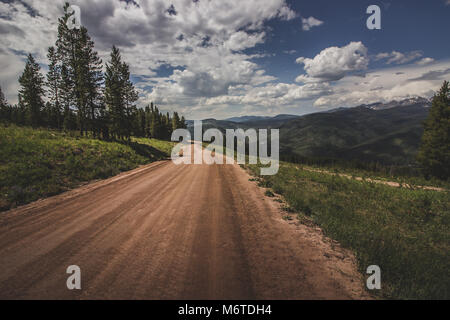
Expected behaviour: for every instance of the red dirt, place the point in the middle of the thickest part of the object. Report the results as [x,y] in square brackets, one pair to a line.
[170,232]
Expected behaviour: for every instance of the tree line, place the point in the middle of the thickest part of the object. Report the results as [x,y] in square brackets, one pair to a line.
[76,94]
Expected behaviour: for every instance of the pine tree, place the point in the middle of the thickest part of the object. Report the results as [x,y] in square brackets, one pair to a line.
[65,50]
[148,121]
[76,53]
[32,91]
[93,80]
[130,96]
[183,124]
[139,123]
[53,85]
[168,127]
[114,94]
[157,124]
[434,152]
[66,98]
[176,121]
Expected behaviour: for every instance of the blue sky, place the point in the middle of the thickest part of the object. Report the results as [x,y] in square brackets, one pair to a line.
[254,57]
[406,26]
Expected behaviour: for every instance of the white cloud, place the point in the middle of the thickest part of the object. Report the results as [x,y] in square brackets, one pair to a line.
[385,85]
[204,45]
[203,39]
[11,66]
[308,23]
[280,94]
[21,34]
[334,63]
[396,57]
[242,40]
[425,61]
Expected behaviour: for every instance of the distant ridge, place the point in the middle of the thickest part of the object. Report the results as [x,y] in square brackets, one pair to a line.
[392,104]
[244,119]
[388,133]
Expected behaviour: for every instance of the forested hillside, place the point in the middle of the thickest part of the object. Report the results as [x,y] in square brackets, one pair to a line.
[389,134]
[76,93]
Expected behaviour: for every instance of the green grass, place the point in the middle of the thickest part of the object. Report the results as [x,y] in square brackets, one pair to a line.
[406,232]
[38,163]
[415,180]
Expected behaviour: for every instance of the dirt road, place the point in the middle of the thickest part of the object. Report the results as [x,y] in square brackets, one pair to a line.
[169,232]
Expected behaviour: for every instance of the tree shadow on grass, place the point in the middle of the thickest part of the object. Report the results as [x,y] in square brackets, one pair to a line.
[147,151]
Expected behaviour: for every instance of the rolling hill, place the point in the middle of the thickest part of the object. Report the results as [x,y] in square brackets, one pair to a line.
[388,133]
[390,136]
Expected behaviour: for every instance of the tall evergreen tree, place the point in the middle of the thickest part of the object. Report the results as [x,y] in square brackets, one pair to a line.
[53,86]
[434,152]
[148,121]
[65,50]
[183,124]
[155,124]
[139,123]
[116,95]
[76,52]
[176,122]
[130,96]
[92,75]
[32,92]
[66,95]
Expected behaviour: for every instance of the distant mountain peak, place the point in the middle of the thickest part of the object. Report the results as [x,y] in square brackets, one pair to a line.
[402,103]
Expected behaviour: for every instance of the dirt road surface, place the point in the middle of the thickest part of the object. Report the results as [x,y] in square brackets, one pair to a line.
[170,232]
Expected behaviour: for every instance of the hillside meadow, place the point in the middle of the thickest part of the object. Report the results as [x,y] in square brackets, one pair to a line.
[405,231]
[38,163]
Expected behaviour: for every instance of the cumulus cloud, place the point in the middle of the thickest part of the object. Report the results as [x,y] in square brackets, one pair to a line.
[308,23]
[425,61]
[280,94]
[201,41]
[396,57]
[334,63]
[202,45]
[23,30]
[410,81]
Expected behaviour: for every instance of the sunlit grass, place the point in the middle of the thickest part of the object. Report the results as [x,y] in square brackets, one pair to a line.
[406,232]
[40,163]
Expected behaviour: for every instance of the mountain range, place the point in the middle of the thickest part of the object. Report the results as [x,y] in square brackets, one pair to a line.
[388,133]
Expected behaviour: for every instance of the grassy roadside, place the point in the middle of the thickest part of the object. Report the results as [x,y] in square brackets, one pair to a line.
[415,180]
[40,163]
[406,232]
